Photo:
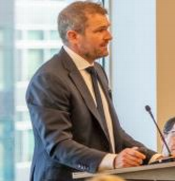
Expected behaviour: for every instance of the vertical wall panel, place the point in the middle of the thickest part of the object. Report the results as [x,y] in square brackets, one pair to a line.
[165,61]
[134,66]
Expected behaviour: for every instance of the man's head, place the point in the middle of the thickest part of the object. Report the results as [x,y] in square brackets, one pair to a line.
[169,133]
[83,27]
[74,17]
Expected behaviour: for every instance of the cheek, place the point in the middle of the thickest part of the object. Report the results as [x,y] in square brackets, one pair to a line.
[171,141]
[94,40]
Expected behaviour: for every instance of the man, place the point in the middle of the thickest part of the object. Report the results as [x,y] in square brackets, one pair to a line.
[169,134]
[74,122]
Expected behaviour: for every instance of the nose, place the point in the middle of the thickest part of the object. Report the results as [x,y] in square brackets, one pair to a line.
[108,36]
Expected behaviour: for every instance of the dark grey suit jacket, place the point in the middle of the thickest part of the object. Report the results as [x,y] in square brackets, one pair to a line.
[69,134]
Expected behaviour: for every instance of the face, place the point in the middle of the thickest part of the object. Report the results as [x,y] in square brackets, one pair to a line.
[93,44]
[170,139]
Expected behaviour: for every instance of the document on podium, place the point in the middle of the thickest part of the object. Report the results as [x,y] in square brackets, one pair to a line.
[155,172]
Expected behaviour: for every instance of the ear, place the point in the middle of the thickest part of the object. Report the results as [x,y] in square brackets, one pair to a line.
[72,36]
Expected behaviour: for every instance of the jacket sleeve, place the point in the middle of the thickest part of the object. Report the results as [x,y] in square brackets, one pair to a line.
[129,142]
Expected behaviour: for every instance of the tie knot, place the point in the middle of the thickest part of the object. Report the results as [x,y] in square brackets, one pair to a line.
[91,70]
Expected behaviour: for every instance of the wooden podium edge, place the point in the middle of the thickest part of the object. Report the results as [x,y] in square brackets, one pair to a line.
[79,175]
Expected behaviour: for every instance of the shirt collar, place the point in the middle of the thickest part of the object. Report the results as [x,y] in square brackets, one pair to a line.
[79,61]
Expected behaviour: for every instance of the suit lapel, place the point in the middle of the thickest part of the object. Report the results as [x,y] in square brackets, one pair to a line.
[79,82]
[84,91]
[103,83]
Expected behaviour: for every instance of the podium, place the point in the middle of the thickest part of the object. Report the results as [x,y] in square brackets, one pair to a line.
[155,172]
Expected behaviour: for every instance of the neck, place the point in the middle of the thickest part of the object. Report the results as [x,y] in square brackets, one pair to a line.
[85,56]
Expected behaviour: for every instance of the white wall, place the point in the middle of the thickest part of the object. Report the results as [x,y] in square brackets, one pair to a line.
[134,66]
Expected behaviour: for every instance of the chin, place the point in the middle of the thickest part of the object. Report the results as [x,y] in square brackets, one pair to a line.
[101,56]
[105,54]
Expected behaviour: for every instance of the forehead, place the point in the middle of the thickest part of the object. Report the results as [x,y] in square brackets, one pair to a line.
[173,128]
[97,20]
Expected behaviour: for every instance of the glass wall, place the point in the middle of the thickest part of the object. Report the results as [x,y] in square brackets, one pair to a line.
[35,39]
[28,38]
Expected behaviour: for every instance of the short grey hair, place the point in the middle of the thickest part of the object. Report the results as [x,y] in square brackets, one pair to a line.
[74,17]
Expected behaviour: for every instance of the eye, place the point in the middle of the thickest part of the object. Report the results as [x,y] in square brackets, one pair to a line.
[101,29]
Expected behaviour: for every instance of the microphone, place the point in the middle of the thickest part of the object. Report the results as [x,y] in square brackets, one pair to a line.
[148,109]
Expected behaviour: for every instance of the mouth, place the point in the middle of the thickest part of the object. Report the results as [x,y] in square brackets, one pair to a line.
[105,44]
